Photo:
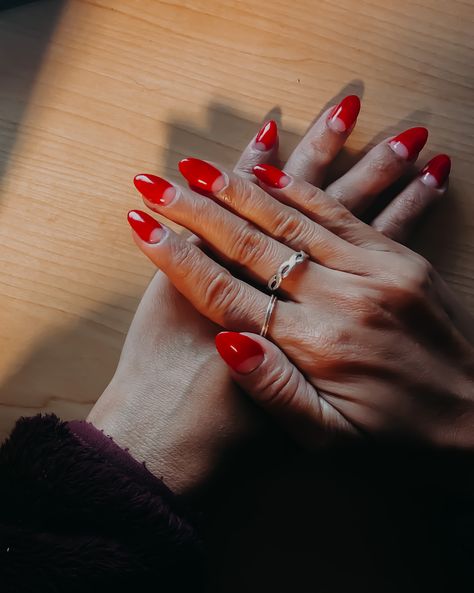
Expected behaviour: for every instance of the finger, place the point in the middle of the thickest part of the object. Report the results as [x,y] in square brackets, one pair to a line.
[323,141]
[261,149]
[322,209]
[401,215]
[266,374]
[231,237]
[378,169]
[209,287]
[285,224]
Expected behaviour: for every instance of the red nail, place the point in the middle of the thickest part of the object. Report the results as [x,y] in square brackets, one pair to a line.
[409,143]
[202,175]
[267,136]
[155,189]
[271,176]
[240,352]
[343,117]
[435,173]
[146,227]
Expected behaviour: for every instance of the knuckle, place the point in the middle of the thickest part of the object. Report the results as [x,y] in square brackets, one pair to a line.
[319,151]
[289,226]
[280,387]
[316,201]
[407,290]
[248,246]
[382,161]
[220,291]
[417,277]
[406,209]
[413,201]
[183,255]
[391,228]
[329,210]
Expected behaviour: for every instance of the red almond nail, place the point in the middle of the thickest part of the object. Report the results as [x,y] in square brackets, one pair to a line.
[201,175]
[271,176]
[343,116]
[155,189]
[240,352]
[146,227]
[435,173]
[409,143]
[267,136]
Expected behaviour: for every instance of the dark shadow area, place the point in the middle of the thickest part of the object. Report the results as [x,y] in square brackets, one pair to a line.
[360,517]
[6,4]
[25,32]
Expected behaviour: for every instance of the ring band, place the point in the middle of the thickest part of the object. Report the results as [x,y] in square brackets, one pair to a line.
[268,315]
[274,283]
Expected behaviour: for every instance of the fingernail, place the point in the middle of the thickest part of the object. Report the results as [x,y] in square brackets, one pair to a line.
[146,227]
[202,175]
[409,143]
[271,176]
[343,117]
[267,136]
[155,189]
[240,352]
[436,172]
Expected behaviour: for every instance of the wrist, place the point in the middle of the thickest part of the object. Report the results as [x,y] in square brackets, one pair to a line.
[115,417]
[179,435]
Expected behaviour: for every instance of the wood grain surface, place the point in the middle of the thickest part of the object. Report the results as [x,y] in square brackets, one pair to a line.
[95,91]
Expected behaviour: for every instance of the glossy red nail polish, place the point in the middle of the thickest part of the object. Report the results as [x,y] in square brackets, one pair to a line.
[271,176]
[202,176]
[267,137]
[409,143]
[155,189]
[436,172]
[240,352]
[343,116]
[146,227]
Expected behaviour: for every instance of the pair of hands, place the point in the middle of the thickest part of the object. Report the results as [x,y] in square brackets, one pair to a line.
[382,344]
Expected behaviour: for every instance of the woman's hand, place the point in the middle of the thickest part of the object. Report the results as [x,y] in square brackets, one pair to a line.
[367,321]
[171,401]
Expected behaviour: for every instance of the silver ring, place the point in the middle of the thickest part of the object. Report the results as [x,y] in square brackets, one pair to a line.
[274,283]
[268,315]
[286,268]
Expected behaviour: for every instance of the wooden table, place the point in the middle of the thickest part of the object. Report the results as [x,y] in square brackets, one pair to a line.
[93,92]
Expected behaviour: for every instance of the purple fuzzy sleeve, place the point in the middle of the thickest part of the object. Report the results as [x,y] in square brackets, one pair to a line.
[77,513]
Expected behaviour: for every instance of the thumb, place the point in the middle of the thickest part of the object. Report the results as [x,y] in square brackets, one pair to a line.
[266,374]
